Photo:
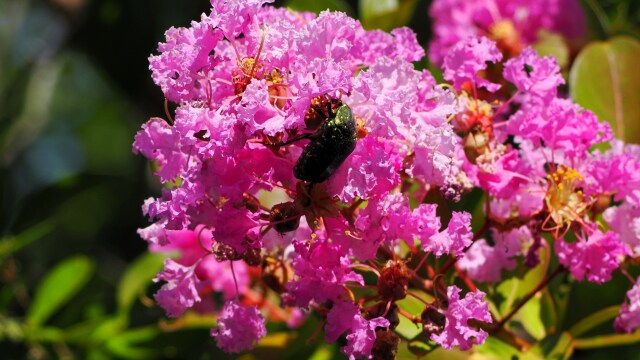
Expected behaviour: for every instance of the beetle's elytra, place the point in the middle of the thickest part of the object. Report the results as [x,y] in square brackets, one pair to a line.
[330,145]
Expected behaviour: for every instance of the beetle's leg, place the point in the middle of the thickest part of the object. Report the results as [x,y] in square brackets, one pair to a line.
[330,108]
[292,140]
[324,116]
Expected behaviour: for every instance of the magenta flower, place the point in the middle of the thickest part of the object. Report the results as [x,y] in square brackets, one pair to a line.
[322,273]
[239,327]
[454,239]
[264,96]
[593,258]
[533,75]
[485,263]
[629,319]
[214,275]
[181,290]
[625,220]
[467,58]
[561,125]
[340,319]
[513,24]
[362,337]
[457,332]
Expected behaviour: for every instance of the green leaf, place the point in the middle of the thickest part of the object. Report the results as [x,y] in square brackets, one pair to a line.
[529,315]
[608,340]
[548,312]
[60,285]
[494,348]
[124,344]
[317,6]
[386,14]
[407,328]
[515,288]
[109,328]
[11,244]
[593,320]
[137,277]
[324,352]
[556,346]
[553,44]
[421,348]
[605,79]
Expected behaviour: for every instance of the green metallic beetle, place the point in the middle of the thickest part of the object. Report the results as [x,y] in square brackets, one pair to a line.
[330,145]
[333,141]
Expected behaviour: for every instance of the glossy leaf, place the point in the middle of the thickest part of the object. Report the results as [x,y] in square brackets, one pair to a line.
[608,340]
[553,44]
[605,79]
[124,345]
[137,277]
[386,14]
[421,348]
[318,6]
[324,352]
[11,244]
[515,288]
[408,329]
[556,346]
[548,312]
[529,315]
[594,320]
[58,287]
[494,348]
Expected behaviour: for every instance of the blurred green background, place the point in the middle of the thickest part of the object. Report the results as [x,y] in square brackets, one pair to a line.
[74,89]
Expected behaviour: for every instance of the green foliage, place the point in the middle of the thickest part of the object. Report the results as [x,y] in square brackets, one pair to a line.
[386,14]
[58,287]
[604,79]
[136,279]
[320,5]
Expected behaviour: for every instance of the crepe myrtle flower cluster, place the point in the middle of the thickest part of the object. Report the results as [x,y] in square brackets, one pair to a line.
[512,24]
[302,153]
[534,156]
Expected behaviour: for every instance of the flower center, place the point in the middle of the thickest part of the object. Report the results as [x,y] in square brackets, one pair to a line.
[506,37]
[565,200]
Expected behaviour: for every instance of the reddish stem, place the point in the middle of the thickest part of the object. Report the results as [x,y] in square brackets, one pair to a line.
[528,297]
[466,279]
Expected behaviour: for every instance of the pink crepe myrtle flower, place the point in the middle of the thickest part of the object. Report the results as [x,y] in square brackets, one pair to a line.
[212,274]
[485,263]
[181,290]
[254,87]
[561,125]
[629,318]
[239,327]
[457,331]
[533,75]
[625,220]
[467,58]
[512,24]
[362,337]
[322,273]
[594,257]
[340,319]
[456,237]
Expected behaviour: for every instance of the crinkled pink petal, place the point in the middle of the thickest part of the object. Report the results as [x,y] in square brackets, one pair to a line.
[181,290]
[593,258]
[629,318]
[239,327]
[467,58]
[457,331]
